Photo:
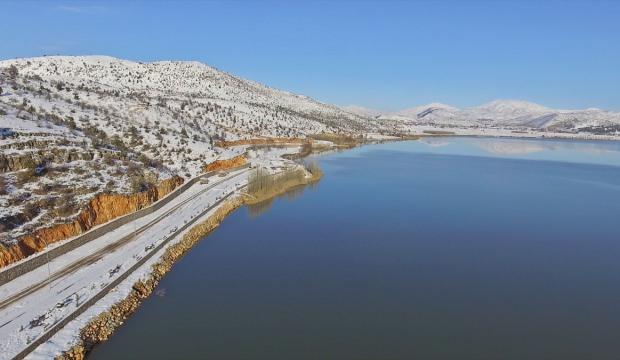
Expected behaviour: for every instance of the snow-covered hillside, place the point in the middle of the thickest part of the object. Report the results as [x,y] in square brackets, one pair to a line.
[511,114]
[362,111]
[72,127]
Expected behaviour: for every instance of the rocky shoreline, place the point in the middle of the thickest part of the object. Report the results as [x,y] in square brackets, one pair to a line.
[103,326]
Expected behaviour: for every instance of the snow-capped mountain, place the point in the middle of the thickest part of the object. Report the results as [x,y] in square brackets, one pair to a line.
[511,114]
[362,111]
[422,111]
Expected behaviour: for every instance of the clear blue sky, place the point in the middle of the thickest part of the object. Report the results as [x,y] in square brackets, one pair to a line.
[382,54]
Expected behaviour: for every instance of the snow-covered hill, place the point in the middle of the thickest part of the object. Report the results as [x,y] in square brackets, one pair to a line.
[73,127]
[169,108]
[511,114]
[362,111]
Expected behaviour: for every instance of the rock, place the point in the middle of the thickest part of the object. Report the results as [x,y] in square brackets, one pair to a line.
[238,160]
[101,209]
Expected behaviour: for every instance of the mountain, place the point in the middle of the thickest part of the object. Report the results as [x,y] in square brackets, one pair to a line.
[361,111]
[511,108]
[426,110]
[511,114]
[178,106]
[75,127]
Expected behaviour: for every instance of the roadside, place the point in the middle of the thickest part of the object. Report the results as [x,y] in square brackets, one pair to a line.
[52,305]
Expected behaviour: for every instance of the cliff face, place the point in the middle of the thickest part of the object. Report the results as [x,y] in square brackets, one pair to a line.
[101,209]
[58,156]
[238,160]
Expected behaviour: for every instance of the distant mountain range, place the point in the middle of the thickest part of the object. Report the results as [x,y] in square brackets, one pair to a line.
[504,114]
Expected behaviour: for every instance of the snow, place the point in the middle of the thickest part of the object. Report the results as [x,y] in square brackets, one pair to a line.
[87,280]
[55,301]
[506,114]
[171,113]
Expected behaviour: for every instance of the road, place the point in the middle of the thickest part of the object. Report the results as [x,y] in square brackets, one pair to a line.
[36,304]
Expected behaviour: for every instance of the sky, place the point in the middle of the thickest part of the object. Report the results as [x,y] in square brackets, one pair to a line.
[386,55]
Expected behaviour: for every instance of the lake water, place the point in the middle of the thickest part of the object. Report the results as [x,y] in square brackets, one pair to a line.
[444,248]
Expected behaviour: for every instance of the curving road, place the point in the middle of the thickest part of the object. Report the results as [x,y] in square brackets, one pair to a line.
[32,309]
[92,258]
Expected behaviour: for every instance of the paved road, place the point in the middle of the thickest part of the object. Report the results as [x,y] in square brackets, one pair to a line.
[92,258]
[29,264]
[74,271]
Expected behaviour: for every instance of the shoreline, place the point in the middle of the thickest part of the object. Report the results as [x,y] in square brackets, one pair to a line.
[99,328]
[103,325]
[506,133]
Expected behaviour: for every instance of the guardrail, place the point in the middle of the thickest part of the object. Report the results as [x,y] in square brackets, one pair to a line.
[14,271]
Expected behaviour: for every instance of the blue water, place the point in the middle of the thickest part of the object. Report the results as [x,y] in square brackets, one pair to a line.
[445,248]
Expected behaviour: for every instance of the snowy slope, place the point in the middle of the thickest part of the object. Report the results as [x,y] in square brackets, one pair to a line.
[511,114]
[97,123]
[362,111]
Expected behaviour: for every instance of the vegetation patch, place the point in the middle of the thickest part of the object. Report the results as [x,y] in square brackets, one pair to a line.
[439,132]
[342,140]
[263,185]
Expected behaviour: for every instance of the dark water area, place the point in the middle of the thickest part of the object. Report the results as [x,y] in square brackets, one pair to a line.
[447,248]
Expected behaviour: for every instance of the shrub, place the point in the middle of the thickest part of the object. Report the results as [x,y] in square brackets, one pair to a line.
[31,210]
[12,71]
[67,206]
[25,176]
[2,186]
[261,181]
[138,184]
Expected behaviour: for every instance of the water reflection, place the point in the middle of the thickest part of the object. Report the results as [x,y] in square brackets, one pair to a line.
[405,253]
[435,141]
[255,210]
[510,148]
[590,152]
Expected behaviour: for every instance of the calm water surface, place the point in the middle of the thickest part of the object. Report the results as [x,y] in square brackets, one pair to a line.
[437,249]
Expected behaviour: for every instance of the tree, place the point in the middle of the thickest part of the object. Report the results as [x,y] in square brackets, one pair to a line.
[12,71]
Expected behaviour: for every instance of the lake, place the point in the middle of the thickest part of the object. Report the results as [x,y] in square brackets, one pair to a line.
[443,248]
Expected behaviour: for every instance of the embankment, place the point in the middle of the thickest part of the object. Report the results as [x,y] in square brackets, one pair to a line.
[103,326]
[101,209]
[238,160]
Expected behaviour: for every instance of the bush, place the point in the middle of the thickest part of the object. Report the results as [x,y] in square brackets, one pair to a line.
[31,210]
[138,184]
[25,176]
[67,206]
[2,186]
[261,181]
[12,71]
